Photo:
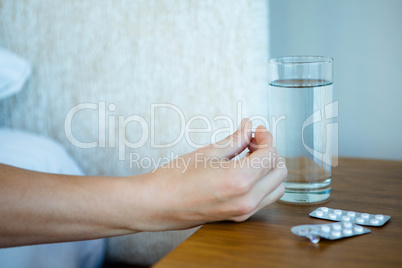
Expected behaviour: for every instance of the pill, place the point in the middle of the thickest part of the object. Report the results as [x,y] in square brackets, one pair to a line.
[319,213]
[359,220]
[358,229]
[325,228]
[347,224]
[336,233]
[332,216]
[331,231]
[351,213]
[345,218]
[379,217]
[324,209]
[347,231]
[338,211]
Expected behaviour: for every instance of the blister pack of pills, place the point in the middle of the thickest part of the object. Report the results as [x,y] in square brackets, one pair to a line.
[331,231]
[350,216]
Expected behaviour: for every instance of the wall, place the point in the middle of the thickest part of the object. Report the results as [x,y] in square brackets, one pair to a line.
[199,56]
[365,39]
[120,57]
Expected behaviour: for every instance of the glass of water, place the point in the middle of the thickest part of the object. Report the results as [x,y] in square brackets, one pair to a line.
[300,110]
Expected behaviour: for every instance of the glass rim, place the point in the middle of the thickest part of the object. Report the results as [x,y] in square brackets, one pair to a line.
[300,60]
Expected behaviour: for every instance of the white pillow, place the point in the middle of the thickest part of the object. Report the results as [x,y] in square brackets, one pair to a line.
[14,71]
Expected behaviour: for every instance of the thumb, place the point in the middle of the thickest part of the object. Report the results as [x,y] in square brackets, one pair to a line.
[262,139]
[233,144]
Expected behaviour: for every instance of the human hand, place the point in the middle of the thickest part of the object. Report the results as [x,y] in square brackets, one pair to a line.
[208,185]
[203,186]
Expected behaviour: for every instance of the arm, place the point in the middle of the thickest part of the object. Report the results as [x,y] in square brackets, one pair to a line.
[38,207]
[44,208]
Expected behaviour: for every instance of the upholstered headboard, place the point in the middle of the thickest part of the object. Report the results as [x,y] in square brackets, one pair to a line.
[98,66]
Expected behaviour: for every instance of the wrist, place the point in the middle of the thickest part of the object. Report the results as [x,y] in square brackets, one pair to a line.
[138,203]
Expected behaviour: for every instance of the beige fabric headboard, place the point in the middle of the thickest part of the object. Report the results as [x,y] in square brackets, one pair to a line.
[117,58]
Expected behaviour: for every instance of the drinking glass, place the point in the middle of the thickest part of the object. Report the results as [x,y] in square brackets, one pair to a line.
[301,109]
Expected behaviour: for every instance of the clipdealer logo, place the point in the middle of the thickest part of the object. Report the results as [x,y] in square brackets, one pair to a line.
[107,123]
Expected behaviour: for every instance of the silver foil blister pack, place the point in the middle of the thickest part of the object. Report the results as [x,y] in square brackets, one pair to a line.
[350,216]
[330,231]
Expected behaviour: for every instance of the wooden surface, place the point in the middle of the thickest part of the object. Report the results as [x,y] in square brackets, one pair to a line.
[265,240]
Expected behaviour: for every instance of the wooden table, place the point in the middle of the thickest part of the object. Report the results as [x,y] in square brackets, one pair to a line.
[265,240]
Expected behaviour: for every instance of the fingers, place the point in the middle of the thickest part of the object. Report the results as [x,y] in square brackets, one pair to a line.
[268,189]
[272,197]
[262,139]
[256,180]
[232,145]
[262,156]
[266,171]
[266,201]
[267,184]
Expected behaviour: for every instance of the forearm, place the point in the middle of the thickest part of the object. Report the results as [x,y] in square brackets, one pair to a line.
[44,208]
